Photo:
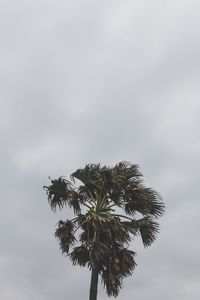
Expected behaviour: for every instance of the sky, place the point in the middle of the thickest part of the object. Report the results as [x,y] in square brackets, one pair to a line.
[98,82]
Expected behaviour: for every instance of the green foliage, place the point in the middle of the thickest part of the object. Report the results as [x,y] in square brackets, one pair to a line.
[65,235]
[103,236]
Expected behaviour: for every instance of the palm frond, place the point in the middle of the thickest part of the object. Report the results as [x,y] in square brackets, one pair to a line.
[65,234]
[143,200]
[98,251]
[111,282]
[57,192]
[115,268]
[74,201]
[61,193]
[87,174]
[130,228]
[148,230]
[127,172]
[80,256]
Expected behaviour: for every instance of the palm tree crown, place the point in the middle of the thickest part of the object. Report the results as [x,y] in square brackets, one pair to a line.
[107,205]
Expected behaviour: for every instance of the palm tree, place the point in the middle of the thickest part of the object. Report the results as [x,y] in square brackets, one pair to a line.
[111,206]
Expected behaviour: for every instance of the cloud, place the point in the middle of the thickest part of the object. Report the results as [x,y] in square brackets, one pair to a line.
[98,82]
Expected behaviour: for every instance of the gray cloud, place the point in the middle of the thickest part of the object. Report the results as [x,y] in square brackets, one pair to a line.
[98,82]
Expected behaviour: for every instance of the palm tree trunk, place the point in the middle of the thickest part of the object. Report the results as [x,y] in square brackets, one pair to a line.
[94,283]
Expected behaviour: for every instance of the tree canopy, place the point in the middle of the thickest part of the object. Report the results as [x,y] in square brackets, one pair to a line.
[111,206]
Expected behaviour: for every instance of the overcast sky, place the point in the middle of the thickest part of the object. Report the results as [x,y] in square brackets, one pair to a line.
[98,81]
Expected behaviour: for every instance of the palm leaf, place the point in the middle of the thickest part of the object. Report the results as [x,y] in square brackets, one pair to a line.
[60,193]
[80,256]
[148,230]
[143,200]
[65,234]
